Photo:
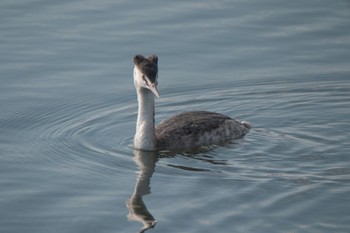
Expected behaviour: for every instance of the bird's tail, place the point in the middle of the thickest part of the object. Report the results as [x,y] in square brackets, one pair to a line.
[246,124]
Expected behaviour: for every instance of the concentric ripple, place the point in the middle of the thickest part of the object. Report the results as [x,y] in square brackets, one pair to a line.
[85,135]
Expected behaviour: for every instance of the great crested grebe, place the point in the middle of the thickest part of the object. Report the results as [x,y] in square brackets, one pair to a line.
[184,130]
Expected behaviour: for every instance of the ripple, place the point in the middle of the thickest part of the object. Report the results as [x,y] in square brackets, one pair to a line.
[72,137]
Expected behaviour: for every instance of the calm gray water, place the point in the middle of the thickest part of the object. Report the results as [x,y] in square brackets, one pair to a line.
[68,112]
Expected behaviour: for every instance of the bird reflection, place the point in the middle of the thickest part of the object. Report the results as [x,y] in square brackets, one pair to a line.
[146,162]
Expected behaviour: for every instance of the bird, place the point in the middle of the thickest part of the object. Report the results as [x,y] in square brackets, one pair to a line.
[182,131]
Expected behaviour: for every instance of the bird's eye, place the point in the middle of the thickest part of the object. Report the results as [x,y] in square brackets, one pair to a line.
[144,79]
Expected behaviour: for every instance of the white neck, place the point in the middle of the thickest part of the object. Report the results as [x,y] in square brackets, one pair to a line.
[145,138]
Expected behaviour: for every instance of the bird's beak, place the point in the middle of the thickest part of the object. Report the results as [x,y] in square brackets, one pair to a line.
[153,88]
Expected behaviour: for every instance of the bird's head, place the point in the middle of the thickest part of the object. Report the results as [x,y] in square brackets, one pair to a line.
[146,73]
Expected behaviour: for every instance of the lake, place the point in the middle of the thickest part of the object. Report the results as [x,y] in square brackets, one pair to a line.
[68,112]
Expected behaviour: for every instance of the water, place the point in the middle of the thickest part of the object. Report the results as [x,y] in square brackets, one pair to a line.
[68,112]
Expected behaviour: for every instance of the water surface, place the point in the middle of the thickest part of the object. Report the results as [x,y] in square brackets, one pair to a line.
[68,111]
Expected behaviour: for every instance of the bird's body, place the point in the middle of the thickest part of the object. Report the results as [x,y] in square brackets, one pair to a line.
[184,130]
[194,129]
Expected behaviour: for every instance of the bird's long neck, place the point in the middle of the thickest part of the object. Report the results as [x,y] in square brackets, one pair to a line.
[145,138]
